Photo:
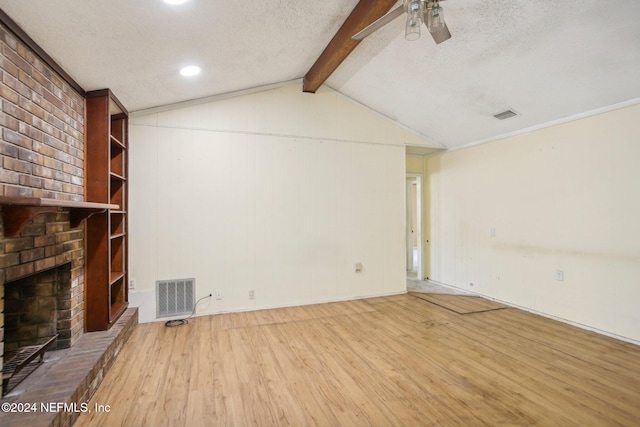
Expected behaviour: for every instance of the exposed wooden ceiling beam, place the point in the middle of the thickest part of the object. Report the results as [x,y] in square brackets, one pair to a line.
[341,45]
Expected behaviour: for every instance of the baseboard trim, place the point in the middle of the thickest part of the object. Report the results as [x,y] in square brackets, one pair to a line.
[540,313]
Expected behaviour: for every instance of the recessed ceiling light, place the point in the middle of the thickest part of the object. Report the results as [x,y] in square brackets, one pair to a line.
[175,1]
[190,71]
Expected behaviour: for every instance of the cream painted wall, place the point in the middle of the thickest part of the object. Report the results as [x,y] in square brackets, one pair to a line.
[279,192]
[562,198]
[415,164]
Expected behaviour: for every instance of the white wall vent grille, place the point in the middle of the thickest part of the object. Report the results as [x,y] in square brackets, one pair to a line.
[505,115]
[175,297]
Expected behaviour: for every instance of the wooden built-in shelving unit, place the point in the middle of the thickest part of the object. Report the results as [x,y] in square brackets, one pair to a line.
[106,167]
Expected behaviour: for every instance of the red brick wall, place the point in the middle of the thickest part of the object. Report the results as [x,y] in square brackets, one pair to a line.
[42,155]
[42,117]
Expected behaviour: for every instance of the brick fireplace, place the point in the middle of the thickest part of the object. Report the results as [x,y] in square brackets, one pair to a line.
[41,282]
[42,292]
[42,289]
[42,156]
[42,239]
[32,307]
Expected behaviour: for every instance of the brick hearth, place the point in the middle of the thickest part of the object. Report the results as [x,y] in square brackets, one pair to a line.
[69,376]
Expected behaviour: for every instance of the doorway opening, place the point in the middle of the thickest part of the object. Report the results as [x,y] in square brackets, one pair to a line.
[414,226]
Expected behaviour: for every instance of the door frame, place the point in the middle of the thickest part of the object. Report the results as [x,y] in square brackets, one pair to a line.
[419,179]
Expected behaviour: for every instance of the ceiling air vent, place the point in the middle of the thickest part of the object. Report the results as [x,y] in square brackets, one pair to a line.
[505,115]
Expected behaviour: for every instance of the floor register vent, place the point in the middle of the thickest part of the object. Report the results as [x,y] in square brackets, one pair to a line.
[175,297]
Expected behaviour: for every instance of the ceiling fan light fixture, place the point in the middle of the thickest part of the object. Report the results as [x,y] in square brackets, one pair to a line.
[435,18]
[415,12]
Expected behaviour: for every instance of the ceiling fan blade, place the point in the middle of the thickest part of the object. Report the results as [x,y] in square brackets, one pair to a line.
[442,35]
[379,23]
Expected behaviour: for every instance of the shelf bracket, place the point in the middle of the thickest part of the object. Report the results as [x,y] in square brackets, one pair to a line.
[15,218]
[76,216]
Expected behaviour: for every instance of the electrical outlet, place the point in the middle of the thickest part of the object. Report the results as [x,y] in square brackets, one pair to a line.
[132,284]
[559,275]
[252,294]
[357,267]
[218,294]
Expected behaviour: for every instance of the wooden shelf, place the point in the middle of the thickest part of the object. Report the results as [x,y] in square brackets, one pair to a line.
[117,309]
[38,201]
[18,211]
[117,225]
[116,275]
[117,176]
[116,142]
[106,168]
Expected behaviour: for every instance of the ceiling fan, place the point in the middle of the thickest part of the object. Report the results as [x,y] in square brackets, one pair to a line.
[418,11]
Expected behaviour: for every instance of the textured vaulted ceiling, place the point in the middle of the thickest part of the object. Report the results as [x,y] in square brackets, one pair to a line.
[548,60]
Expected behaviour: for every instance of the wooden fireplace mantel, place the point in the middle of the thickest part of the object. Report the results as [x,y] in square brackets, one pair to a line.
[18,211]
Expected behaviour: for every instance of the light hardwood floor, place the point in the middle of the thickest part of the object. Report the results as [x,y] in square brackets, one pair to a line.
[398,360]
